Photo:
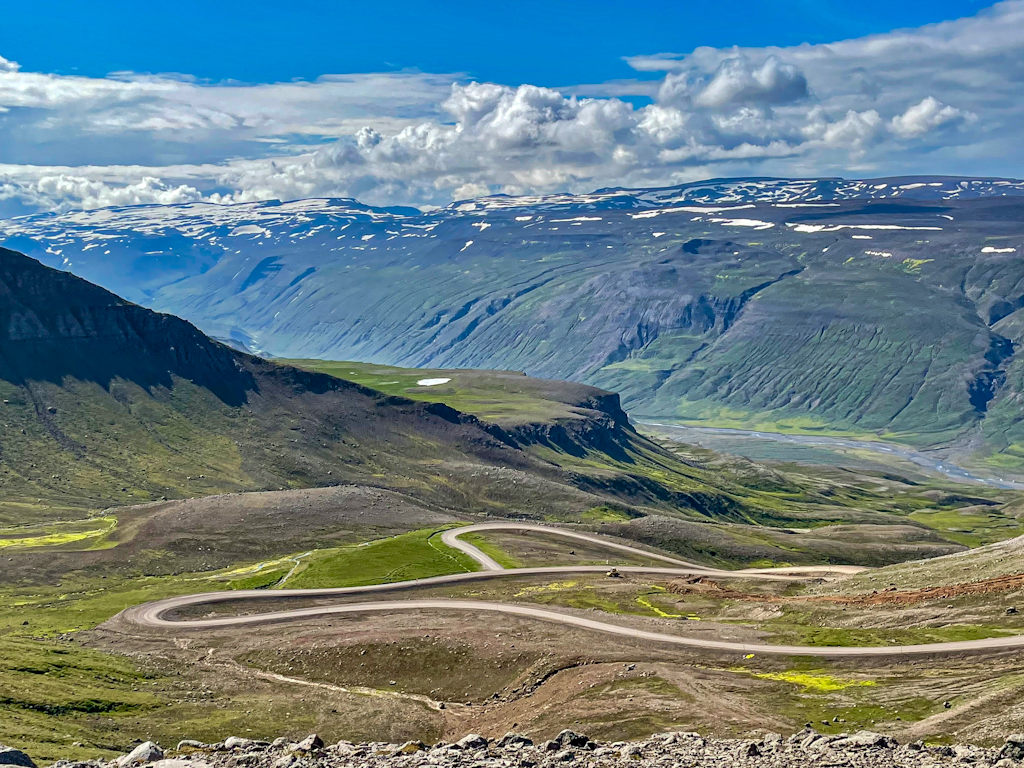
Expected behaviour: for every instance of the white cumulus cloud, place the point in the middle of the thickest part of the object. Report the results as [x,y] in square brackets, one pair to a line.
[943,98]
[927,115]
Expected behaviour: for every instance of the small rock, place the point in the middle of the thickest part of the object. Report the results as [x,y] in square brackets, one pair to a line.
[147,752]
[472,741]
[569,738]
[633,752]
[12,756]
[809,739]
[190,744]
[752,750]
[565,756]
[551,746]
[1012,749]
[236,742]
[410,747]
[965,754]
[861,740]
[310,743]
[515,740]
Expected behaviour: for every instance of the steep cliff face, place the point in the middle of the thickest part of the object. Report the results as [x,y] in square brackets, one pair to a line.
[55,325]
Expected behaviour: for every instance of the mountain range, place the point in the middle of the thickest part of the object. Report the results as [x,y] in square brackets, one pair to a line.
[884,307]
[104,403]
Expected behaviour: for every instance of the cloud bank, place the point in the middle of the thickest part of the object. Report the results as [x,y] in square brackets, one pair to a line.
[944,98]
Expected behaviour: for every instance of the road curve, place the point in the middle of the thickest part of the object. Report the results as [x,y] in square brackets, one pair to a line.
[391,606]
[451,538]
[154,614]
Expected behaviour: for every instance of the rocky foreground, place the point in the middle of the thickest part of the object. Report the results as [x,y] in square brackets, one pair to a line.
[806,749]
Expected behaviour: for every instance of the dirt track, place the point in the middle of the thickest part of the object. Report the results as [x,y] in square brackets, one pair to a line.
[153,614]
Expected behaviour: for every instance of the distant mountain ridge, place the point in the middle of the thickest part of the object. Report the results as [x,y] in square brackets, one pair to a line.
[885,306]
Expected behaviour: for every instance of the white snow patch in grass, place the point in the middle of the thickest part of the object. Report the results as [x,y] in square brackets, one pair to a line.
[755,223]
[468,243]
[431,382]
[990,249]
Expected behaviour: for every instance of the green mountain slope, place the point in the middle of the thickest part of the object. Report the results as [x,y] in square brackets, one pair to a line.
[106,403]
[765,306]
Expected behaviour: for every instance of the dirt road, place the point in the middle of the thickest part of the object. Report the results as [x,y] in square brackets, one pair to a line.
[155,614]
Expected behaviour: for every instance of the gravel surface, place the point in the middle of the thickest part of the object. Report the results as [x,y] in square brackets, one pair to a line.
[806,749]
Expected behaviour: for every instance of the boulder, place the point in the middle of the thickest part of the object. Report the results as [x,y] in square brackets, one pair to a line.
[862,740]
[1012,749]
[12,756]
[472,741]
[310,743]
[632,752]
[569,738]
[147,752]
[515,740]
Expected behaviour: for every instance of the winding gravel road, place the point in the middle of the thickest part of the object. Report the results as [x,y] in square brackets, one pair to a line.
[155,614]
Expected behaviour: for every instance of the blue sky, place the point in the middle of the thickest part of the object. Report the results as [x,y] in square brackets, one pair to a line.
[529,41]
[114,102]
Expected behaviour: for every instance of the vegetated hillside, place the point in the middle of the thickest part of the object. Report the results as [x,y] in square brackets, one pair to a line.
[889,306]
[105,402]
